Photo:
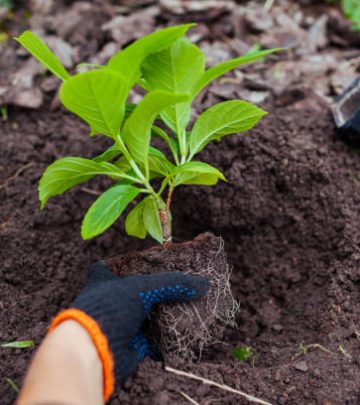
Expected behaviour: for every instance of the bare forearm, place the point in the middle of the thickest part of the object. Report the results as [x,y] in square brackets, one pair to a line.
[65,370]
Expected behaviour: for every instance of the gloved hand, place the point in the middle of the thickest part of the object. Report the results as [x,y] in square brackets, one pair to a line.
[113,310]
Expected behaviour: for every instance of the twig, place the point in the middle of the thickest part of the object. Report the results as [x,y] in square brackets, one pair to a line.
[16,174]
[186,396]
[215,384]
[90,191]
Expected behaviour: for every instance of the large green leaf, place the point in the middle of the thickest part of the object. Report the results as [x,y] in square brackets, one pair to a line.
[175,69]
[98,97]
[134,223]
[224,67]
[128,61]
[196,173]
[137,128]
[106,209]
[43,54]
[152,220]
[65,173]
[228,117]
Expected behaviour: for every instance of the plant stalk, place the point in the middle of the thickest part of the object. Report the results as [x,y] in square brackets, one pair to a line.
[165,217]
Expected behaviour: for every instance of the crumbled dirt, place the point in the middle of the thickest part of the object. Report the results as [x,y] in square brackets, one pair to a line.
[289,217]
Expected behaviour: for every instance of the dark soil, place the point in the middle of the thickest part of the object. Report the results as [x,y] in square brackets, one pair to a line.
[289,217]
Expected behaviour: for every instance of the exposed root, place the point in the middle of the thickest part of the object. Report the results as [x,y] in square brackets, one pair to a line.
[191,400]
[192,376]
[185,329]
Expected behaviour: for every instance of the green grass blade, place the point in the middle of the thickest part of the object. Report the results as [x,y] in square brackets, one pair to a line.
[21,344]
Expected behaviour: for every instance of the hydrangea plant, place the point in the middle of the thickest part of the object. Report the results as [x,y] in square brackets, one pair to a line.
[173,72]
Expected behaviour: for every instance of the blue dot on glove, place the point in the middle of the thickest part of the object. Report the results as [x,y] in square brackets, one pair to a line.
[169,294]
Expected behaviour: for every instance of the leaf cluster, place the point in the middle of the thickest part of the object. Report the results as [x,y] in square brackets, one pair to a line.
[172,71]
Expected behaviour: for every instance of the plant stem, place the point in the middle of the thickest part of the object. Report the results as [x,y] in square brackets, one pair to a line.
[163,213]
[165,216]
[168,200]
[166,225]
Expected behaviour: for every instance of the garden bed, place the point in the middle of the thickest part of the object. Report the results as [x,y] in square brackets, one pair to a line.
[289,217]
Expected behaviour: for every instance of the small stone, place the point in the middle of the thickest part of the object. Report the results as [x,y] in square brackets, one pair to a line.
[27,98]
[277,327]
[125,29]
[301,366]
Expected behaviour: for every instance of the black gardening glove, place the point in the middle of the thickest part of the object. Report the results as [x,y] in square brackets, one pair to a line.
[120,306]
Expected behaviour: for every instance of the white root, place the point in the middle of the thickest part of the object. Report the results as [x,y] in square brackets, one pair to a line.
[209,316]
[191,400]
[215,384]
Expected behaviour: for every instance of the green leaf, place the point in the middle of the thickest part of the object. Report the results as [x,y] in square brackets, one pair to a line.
[196,173]
[22,344]
[158,162]
[228,117]
[129,108]
[175,69]
[137,129]
[43,54]
[151,218]
[128,61]
[224,67]
[98,97]
[243,353]
[65,173]
[172,143]
[108,155]
[134,223]
[106,209]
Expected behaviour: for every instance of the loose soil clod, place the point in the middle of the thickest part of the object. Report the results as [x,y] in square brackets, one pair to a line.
[184,329]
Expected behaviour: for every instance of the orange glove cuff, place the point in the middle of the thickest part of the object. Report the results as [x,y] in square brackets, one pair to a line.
[100,342]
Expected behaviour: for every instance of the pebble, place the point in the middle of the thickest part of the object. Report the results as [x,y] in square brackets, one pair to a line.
[301,366]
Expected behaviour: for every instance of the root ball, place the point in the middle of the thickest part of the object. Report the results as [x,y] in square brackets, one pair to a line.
[185,329]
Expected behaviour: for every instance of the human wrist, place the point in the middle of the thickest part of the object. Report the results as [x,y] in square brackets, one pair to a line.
[70,331]
[65,369]
[96,341]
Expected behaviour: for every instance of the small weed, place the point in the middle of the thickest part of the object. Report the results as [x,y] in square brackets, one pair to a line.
[245,353]
[343,351]
[4,111]
[22,344]
[304,349]
[12,385]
